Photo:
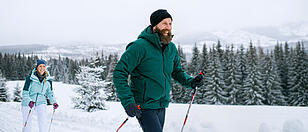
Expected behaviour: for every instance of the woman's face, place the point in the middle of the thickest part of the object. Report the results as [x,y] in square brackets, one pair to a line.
[41,69]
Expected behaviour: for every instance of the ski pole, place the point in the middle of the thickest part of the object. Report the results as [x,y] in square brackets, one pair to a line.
[30,112]
[51,120]
[138,106]
[192,99]
[27,118]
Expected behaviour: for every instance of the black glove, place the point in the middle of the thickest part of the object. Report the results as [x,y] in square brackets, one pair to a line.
[132,110]
[197,81]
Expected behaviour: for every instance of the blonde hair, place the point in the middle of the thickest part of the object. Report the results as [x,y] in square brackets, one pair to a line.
[45,75]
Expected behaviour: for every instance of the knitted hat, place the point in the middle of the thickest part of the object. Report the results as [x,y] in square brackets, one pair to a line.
[158,16]
[40,62]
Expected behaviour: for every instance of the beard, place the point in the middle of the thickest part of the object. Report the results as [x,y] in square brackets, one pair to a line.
[164,39]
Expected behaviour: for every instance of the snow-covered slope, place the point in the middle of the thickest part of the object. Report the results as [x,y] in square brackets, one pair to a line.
[202,118]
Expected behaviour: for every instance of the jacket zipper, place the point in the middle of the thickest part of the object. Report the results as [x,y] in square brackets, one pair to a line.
[40,93]
[164,77]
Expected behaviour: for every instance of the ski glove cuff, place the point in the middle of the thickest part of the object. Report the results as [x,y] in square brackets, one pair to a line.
[197,81]
[132,110]
[31,104]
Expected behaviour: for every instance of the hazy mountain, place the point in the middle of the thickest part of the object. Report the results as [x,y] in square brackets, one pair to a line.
[72,50]
[266,36]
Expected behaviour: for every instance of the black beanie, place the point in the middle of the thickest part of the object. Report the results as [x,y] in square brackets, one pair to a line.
[158,16]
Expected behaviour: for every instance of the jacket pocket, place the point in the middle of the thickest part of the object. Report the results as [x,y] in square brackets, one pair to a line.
[153,91]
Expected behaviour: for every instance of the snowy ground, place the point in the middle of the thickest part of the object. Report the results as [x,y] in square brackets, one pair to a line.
[202,118]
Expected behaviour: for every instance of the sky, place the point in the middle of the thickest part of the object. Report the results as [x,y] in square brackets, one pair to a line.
[121,21]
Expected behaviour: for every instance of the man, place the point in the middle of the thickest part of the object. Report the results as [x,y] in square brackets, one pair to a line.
[151,61]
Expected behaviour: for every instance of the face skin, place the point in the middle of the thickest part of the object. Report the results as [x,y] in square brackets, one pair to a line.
[41,69]
[166,25]
[164,30]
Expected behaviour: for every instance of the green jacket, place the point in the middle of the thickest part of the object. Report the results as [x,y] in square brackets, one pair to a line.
[35,91]
[150,69]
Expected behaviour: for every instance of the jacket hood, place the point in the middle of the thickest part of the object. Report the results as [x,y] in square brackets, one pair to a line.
[153,38]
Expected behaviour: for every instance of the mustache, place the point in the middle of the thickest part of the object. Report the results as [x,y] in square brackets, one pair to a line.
[169,32]
[165,39]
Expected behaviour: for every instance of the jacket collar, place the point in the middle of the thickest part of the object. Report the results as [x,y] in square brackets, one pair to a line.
[35,78]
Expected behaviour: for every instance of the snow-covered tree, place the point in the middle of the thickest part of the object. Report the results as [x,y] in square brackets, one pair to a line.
[194,66]
[272,84]
[110,88]
[201,93]
[298,78]
[242,73]
[214,94]
[4,97]
[179,94]
[17,93]
[231,76]
[90,95]
[252,92]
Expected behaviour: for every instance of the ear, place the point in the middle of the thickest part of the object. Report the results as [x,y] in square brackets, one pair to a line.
[154,28]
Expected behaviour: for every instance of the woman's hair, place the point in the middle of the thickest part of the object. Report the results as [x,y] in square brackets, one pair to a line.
[45,72]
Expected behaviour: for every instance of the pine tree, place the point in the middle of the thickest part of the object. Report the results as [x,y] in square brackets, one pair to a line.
[110,88]
[272,83]
[231,76]
[298,78]
[65,70]
[263,69]
[179,94]
[194,67]
[286,66]
[214,93]
[17,93]
[252,92]
[73,70]
[201,93]
[4,97]
[242,74]
[55,69]
[90,95]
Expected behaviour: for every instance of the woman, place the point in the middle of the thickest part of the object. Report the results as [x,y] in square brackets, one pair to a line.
[38,84]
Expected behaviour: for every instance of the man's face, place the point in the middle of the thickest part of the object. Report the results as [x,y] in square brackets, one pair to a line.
[41,69]
[165,25]
[164,30]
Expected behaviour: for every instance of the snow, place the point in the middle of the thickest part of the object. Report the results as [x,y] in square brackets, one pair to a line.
[202,118]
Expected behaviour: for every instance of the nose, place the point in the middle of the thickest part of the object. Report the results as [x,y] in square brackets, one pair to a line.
[169,27]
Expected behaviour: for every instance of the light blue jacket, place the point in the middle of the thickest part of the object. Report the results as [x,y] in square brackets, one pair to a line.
[36,91]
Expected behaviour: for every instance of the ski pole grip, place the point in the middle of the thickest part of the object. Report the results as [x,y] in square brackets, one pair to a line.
[138,106]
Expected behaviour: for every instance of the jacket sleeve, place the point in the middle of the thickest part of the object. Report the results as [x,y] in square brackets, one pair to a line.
[178,74]
[130,59]
[26,91]
[50,93]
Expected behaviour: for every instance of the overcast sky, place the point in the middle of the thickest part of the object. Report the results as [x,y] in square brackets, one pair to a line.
[121,21]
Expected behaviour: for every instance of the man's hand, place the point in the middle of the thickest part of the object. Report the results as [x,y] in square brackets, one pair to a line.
[133,110]
[197,81]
